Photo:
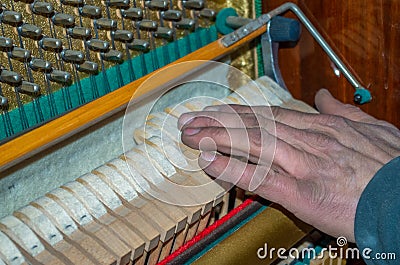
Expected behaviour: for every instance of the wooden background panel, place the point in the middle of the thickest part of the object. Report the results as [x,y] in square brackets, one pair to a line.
[366,34]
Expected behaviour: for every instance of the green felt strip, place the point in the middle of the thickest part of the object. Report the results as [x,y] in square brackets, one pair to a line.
[260,64]
[90,88]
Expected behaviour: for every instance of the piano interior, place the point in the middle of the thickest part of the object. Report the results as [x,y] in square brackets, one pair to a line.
[92,167]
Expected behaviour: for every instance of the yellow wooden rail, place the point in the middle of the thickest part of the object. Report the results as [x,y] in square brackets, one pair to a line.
[59,129]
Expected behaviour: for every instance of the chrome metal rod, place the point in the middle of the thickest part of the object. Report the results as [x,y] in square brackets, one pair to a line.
[240,33]
[325,46]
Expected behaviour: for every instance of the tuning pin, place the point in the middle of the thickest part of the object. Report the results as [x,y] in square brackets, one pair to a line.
[29,88]
[208,14]
[148,25]
[139,45]
[97,45]
[40,65]
[74,3]
[81,33]
[10,77]
[113,56]
[25,1]
[63,20]
[157,5]
[167,34]
[123,35]
[44,9]
[186,24]
[133,13]
[193,4]
[123,4]
[164,33]
[93,12]
[30,31]
[11,18]
[3,103]
[71,56]
[51,44]
[61,77]
[106,24]
[92,69]
[172,15]
[88,67]
[20,54]
[6,44]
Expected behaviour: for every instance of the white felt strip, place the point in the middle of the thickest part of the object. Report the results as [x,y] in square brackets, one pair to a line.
[41,224]
[158,160]
[57,214]
[72,205]
[145,167]
[131,175]
[117,183]
[94,206]
[23,235]
[105,194]
[9,253]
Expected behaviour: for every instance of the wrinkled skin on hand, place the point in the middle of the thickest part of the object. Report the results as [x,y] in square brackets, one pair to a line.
[315,165]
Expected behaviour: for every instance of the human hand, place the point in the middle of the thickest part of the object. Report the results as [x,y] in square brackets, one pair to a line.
[315,165]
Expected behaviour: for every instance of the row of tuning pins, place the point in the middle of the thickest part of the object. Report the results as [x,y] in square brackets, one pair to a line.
[81,60]
[170,21]
[151,20]
[17,53]
[160,20]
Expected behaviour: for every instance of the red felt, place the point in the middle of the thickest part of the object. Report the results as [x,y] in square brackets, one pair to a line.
[205,232]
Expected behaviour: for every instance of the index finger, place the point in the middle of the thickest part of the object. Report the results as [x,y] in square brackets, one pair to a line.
[293,118]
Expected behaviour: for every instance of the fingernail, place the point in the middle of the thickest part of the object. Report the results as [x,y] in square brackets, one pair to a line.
[184,119]
[191,131]
[208,156]
[211,108]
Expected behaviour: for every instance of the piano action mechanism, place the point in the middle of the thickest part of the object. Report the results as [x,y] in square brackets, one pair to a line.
[111,215]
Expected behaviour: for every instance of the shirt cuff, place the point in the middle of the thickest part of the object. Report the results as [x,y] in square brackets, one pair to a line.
[377,222]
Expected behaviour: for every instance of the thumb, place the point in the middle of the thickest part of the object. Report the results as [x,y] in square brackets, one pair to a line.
[327,104]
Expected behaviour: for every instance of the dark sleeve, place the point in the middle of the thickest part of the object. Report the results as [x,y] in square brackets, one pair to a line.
[377,222]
